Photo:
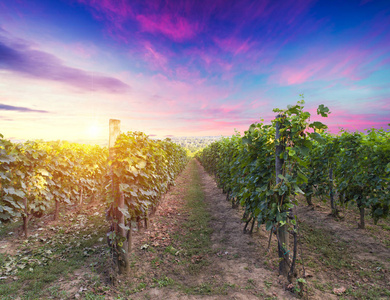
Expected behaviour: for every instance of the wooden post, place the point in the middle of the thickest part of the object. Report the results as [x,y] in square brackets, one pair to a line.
[26,218]
[282,233]
[124,249]
[118,221]
[361,225]
[331,195]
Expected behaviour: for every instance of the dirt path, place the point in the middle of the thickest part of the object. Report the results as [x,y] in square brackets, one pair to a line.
[233,265]
[239,260]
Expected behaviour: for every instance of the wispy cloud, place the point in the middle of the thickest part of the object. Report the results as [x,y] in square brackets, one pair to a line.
[358,121]
[233,45]
[176,28]
[222,35]
[6,119]
[116,12]
[356,60]
[19,56]
[155,59]
[20,109]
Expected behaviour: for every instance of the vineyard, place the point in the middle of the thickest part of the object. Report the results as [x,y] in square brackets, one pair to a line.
[37,176]
[137,220]
[270,166]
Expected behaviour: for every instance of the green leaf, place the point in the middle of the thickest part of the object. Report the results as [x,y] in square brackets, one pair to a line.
[291,152]
[302,178]
[269,225]
[297,190]
[123,226]
[318,125]
[323,110]
[125,212]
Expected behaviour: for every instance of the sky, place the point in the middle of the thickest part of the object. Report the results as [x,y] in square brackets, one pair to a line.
[189,68]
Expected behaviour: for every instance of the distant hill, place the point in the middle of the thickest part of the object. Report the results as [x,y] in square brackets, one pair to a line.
[194,143]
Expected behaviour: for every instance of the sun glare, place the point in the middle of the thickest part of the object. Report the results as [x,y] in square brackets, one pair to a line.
[93,131]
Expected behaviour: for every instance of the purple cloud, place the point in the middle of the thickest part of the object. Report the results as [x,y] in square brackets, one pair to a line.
[231,34]
[354,62]
[176,28]
[366,52]
[18,56]
[20,108]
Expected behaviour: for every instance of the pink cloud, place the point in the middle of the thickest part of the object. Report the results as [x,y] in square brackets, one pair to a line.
[210,60]
[376,104]
[116,11]
[167,18]
[293,76]
[163,96]
[175,27]
[357,60]
[352,121]
[219,39]
[83,50]
[156,60]
[214,126]
[185,74]
[351,62]
[233,45]
[222,111]
[78,49]
[255,104]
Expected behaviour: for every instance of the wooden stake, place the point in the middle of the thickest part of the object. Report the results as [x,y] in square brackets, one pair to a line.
[122,243]
[282,230]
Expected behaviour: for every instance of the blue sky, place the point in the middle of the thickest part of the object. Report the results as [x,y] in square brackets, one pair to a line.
[189,67]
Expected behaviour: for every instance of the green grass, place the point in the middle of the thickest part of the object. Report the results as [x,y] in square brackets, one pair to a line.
[165,281]
[331,254]
[6,229]
[196,241]
[384,226]
[335,257]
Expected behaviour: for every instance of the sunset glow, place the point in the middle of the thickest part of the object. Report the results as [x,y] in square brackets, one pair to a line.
[94,131]
[188,68]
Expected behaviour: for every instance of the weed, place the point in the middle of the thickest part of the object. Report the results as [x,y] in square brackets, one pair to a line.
[165,281]
[268,284]
[92,296]
[203,289]
[141,286]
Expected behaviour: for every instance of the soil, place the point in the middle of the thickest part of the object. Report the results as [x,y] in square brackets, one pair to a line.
[365,246]
[241,260]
